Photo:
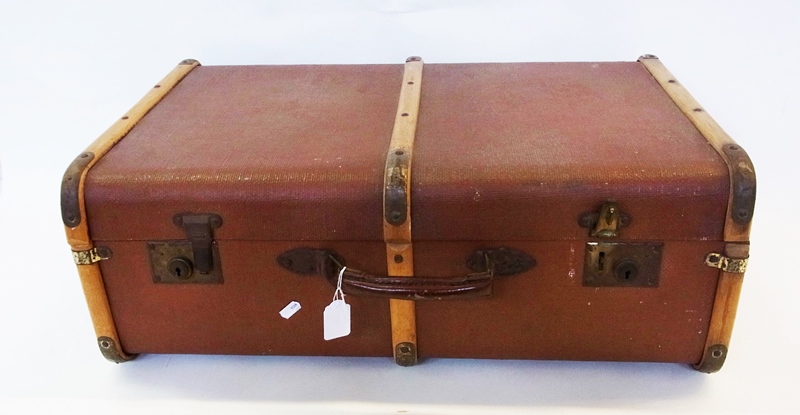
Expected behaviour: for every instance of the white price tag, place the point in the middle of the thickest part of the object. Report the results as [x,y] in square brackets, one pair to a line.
[336,320]
[336,317]
[290,309]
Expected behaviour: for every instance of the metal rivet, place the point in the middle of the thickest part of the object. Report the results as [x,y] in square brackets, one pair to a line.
[405,114]
[105,344]
[215,222]
[716,354]
[399,152]
[697,110]
[398,258]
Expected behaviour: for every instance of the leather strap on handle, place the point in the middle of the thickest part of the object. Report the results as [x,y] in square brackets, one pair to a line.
[416,288]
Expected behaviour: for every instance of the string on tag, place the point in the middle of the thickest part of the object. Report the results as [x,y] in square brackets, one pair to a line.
[339,294]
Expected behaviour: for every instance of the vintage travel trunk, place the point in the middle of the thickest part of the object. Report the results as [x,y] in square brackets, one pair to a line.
[579,211]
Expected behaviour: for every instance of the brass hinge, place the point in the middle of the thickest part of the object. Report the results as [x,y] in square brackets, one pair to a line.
[91,256]
[736,265]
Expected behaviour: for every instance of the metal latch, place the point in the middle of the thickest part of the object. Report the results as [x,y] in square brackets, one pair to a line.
[735,265]
[198,227]
[622,264]
[605,223]
[91,256]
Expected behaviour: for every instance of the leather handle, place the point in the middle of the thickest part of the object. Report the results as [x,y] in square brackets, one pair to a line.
[489,263]
[354,282]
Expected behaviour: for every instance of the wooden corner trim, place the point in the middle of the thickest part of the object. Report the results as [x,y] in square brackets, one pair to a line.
[74,216]
[741,203]
[720,329]
[78,236]
[100,311]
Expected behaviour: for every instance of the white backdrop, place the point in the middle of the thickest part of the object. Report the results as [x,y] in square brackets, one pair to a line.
[67,71]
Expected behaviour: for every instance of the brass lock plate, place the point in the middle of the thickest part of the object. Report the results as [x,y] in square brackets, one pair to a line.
[622,264]
[172,262]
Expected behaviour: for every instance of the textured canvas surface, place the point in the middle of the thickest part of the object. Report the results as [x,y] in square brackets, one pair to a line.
[503,151]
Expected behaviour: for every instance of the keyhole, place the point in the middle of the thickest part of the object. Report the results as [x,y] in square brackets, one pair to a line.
[626,269]
[601,261]
[180,268]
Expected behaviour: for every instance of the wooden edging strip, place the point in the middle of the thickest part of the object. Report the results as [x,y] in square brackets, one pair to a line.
[78,236]
[738,217]
[733,231]
[397,210]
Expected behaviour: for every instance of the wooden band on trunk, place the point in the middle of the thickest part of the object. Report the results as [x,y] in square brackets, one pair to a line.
[78,236]
[397,211]
[738,217]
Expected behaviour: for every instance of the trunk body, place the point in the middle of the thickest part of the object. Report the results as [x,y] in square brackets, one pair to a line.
[505,155]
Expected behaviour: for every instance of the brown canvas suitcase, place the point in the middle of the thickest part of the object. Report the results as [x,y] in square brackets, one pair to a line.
[581,211]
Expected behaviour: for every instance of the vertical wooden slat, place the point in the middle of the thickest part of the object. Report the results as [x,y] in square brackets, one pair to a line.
[399,253]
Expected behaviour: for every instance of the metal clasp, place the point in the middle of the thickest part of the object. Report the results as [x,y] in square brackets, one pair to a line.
[734,265]
[91,256]
[605,223]
[198,228]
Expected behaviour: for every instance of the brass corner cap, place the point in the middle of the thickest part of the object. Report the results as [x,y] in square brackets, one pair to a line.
[189,62]
[111,350]
[648,56]
[413,59]
[405,354]
[713,359]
